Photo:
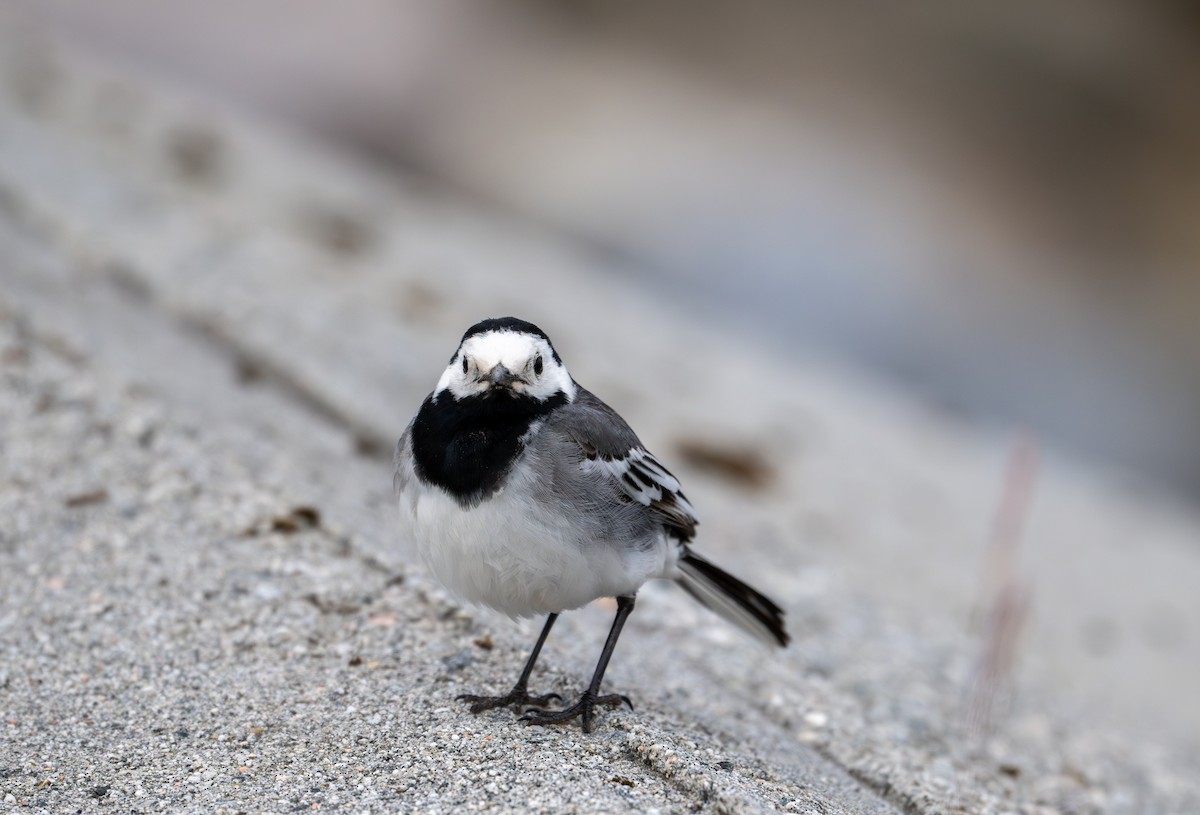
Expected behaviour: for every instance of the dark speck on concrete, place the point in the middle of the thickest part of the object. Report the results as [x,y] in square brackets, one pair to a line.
[197,153]
[459,661]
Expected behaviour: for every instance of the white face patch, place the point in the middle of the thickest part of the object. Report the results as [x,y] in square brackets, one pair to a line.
[527,357]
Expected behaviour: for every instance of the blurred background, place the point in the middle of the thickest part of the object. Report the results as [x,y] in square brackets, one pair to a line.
[997,205]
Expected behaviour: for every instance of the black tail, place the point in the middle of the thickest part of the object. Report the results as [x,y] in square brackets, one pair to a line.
[732,599]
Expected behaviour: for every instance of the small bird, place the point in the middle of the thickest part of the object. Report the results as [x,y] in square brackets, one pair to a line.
[527,494]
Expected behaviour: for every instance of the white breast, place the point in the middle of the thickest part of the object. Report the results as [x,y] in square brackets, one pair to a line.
[519,555]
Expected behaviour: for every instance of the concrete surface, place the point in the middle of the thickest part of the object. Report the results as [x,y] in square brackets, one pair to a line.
[210,335]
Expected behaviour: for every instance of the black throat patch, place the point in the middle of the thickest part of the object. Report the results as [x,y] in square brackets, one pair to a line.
[467,446]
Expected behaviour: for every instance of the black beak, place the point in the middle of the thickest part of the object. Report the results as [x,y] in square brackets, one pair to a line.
[501,376]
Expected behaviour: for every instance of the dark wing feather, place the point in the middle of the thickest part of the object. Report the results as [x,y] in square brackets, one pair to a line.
[610,447]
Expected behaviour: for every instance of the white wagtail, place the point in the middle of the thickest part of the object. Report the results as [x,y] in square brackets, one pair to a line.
[527,494]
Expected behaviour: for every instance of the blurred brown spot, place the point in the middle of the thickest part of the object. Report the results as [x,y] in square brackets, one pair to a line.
[743,466]
[83,499]
[1074,773]
[485,642]
[339,232]
[302,517]
[307,514]
[342,607]
[62,348]
[369,446]
[15,355]
[247,371]
[295,520]
[285,524]
[197,153]
[128,282]
[417,302]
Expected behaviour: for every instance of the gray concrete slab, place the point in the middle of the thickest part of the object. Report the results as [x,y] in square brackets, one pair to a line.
[208,324]
[191,622]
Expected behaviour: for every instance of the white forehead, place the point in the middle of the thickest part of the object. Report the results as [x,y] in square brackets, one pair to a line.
[512,349]
[516,351]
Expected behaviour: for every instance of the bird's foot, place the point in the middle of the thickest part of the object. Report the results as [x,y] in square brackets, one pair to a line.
[585,708]
[518,697]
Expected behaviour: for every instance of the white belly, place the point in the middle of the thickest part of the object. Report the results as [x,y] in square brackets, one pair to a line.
[519,557]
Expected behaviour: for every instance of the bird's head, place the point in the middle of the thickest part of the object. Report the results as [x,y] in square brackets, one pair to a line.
[505,357]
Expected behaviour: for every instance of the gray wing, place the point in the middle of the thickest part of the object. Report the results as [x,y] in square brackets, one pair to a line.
[400,460]
[611,455]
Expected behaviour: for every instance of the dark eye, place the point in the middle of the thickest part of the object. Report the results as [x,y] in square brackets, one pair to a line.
[537,366]
[464,363]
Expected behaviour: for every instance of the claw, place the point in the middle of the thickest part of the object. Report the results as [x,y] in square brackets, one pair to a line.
[517,697]
[585,709]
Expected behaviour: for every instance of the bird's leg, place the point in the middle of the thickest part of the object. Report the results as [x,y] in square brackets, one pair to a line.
[586,705]
[519,695]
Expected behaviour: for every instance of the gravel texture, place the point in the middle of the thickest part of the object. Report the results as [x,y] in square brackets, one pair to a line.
[183,628]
